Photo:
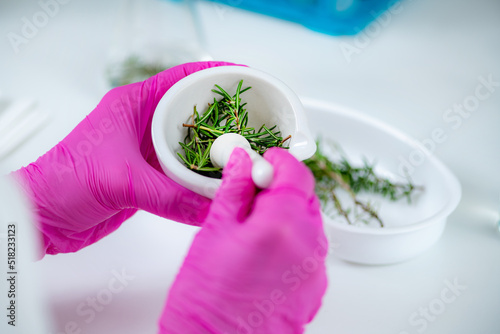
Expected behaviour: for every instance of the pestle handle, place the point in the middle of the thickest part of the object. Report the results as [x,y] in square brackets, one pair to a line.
[223,146]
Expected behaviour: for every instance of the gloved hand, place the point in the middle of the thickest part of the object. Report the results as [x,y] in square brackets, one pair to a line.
[106,169]
[257,265]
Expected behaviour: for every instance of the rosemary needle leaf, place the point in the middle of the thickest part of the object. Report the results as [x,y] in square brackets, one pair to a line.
[206,115]
[221,92]
[188,163]
[244,90]
[237,96]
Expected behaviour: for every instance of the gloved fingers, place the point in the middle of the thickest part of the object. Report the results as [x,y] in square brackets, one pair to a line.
[155,193]
[234,198]
[289,173]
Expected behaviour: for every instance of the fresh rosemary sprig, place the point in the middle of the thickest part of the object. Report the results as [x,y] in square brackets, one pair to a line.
[332,177]
[226,115]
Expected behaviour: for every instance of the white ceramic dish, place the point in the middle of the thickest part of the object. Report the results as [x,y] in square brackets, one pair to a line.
[270,101]
[410,228]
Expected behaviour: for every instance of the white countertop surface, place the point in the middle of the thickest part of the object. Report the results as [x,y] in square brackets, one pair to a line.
[408,71]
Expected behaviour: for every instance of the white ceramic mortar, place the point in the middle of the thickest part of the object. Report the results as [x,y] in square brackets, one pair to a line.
[269,102]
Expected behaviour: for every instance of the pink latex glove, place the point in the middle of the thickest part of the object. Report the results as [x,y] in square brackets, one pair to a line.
[106,169]
[257,265]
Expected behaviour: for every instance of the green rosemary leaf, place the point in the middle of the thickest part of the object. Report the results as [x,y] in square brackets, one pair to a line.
[206,114]
[188,163]
[195,114]
[221,92]
[208,169]
[206,154]
[244,90]
[216,120]
[187,148]
[237,96]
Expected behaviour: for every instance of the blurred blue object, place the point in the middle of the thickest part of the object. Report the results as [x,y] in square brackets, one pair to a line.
[333,17]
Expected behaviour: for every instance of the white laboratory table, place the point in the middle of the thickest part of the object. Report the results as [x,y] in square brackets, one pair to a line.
[410,70]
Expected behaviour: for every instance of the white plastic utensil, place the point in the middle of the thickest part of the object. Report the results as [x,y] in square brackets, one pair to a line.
[223,146]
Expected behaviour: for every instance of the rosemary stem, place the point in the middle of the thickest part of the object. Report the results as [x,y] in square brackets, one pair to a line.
[339,207]
[202,127]
[285,139]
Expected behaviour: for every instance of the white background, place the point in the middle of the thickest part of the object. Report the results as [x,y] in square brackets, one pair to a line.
[425,58]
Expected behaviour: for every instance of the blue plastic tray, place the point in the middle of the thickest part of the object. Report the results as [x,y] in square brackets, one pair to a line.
[333,17]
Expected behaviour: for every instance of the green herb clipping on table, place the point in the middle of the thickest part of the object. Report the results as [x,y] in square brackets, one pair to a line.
[336,177]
